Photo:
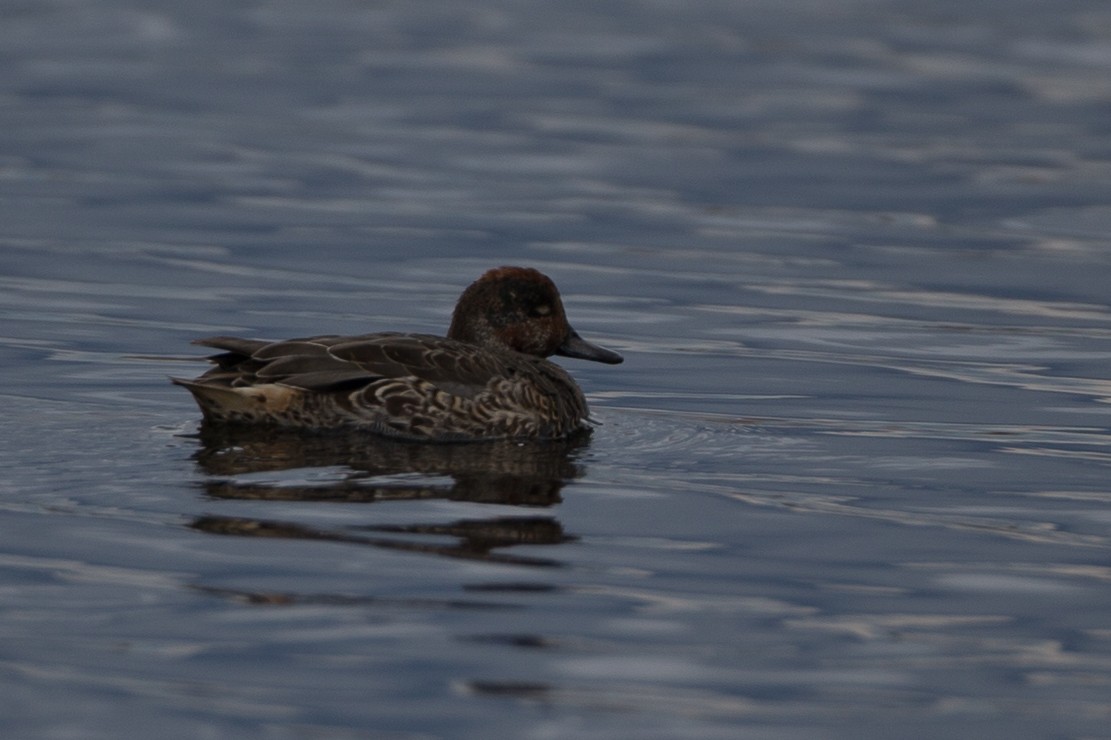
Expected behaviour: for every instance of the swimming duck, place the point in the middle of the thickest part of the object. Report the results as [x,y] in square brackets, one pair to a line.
[488,379]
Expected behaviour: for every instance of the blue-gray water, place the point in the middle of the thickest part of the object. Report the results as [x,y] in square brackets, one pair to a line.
[853,479]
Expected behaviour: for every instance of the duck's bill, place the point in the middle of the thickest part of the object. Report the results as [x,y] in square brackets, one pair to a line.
[576,346]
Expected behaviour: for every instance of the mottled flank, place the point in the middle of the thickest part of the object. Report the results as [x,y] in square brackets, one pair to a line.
[488,379]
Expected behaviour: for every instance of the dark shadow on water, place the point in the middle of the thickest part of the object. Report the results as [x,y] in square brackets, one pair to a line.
[528,473]
[473,539]
[284,598]
[268,465]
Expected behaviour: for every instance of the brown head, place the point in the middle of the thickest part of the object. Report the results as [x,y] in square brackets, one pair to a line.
[519,308]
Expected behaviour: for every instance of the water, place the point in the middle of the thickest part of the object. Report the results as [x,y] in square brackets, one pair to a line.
[850,482]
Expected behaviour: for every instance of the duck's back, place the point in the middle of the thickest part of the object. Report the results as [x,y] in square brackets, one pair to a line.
[413,386]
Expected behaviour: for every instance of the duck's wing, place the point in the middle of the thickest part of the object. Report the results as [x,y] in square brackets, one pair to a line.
[455,367]
[299,363]
[333,362]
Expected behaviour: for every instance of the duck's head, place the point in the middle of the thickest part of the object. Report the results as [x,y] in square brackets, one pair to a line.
[519,308]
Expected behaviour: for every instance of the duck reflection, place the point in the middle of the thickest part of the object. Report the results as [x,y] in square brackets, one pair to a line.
[360,469]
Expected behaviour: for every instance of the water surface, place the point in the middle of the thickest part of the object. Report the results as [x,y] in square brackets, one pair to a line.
[851,480]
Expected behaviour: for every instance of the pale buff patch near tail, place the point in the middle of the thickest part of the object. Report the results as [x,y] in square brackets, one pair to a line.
[269,400]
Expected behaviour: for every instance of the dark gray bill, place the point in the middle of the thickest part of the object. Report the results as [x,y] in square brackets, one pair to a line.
[576,346]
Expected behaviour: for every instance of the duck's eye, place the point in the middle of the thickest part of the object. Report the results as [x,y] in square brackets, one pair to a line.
[542,310]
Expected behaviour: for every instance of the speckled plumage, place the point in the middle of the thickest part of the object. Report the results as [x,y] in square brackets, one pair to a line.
[487,379]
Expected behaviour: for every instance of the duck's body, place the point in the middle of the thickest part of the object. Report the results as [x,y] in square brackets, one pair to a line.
[488,379]
[413,386]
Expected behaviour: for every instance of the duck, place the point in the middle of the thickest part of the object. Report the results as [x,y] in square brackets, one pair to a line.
[489,378]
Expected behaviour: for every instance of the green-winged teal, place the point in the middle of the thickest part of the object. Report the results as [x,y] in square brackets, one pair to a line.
[488,379]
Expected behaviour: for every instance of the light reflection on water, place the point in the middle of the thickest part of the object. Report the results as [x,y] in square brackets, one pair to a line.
[850,482]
